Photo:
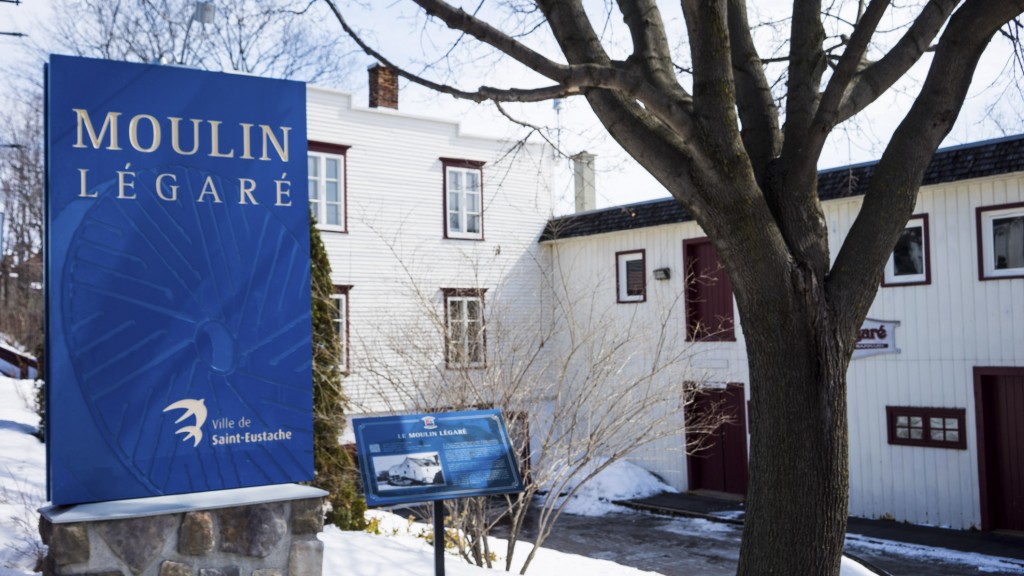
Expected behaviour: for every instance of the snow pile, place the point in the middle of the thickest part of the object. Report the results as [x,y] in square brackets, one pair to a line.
[621,480]
[22,477]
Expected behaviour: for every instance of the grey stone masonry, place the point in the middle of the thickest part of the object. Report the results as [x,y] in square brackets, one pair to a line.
[243,537]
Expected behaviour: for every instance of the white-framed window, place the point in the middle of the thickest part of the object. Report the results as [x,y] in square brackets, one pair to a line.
[465,341]
[327,185]
[631,276]
[463,199]
[1001,241]
[910,262]
[340,300]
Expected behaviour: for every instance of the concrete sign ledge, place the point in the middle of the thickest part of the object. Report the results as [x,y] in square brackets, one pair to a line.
[178,503]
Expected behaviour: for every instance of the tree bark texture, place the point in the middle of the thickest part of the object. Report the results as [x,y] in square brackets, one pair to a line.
[799,474]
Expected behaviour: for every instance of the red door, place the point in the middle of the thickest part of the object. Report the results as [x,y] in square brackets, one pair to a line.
[999,410]
[721,464]
[708,294]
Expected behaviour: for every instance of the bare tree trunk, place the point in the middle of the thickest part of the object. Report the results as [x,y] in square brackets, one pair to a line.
[799,442]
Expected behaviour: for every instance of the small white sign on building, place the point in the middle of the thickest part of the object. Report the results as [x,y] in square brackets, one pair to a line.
[876,337]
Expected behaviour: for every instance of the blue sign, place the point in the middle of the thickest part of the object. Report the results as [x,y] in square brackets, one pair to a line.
[177,289]
[424,457]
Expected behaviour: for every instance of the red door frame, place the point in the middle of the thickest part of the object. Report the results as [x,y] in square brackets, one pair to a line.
[980,372]
[734,463]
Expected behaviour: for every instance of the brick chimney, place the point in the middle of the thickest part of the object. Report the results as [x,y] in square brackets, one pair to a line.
[383,87]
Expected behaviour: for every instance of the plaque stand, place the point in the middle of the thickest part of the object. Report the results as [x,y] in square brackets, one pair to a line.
[262,531]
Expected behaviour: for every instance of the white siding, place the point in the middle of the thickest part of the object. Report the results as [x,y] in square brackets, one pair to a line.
[947,328]
[587,269]
[394,254]
[396,260]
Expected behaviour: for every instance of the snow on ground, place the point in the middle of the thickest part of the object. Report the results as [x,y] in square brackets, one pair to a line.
[7,367]
[22,477]
[621,480]
[399,549]
[989,564]
[709,528]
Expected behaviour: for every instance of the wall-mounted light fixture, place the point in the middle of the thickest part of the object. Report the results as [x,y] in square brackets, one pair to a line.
[662,273]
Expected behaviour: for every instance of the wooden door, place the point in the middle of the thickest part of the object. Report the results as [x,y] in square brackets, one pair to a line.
[709,314]
[999,399]
[721,465]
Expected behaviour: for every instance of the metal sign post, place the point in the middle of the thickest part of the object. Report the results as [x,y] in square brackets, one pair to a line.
[438,537]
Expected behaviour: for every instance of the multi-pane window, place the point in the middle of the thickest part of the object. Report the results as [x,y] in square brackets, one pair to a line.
[1001,239]
[464,324]
[934,427]
[463,199]
[631,276]
[327,185]
[909,263]
[340,300]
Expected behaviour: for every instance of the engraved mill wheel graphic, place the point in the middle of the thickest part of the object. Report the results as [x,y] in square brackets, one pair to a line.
[190,314]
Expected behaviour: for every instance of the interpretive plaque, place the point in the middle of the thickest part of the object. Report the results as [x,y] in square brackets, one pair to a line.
[424,457]
[177,288]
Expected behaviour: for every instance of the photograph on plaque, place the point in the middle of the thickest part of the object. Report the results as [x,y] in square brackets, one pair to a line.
[425,457]
[177,281]
[401,470]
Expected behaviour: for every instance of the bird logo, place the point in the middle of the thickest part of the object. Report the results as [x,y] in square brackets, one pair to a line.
[195,408]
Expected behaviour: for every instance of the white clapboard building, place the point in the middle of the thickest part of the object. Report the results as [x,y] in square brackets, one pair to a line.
[936,388]
[430,231]
[426,227]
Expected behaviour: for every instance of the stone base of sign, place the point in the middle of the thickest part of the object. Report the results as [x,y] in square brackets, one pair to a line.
[265,531]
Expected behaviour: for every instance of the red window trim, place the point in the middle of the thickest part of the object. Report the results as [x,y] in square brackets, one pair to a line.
[339,150]
[460,163]
[346,290]
[980,239]
[618,277]
[927,256]
[327,148]
[891,412]
[463,293]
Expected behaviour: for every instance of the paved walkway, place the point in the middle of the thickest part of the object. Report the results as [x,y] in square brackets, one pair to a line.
[722,510]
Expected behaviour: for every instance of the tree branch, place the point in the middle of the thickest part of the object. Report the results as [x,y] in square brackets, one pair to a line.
[714,90]
[650,47]
[890,198]
[826,116]
[874,80]
[754,100]
[807,64]
[571,79]
[458,19]
[656,134]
